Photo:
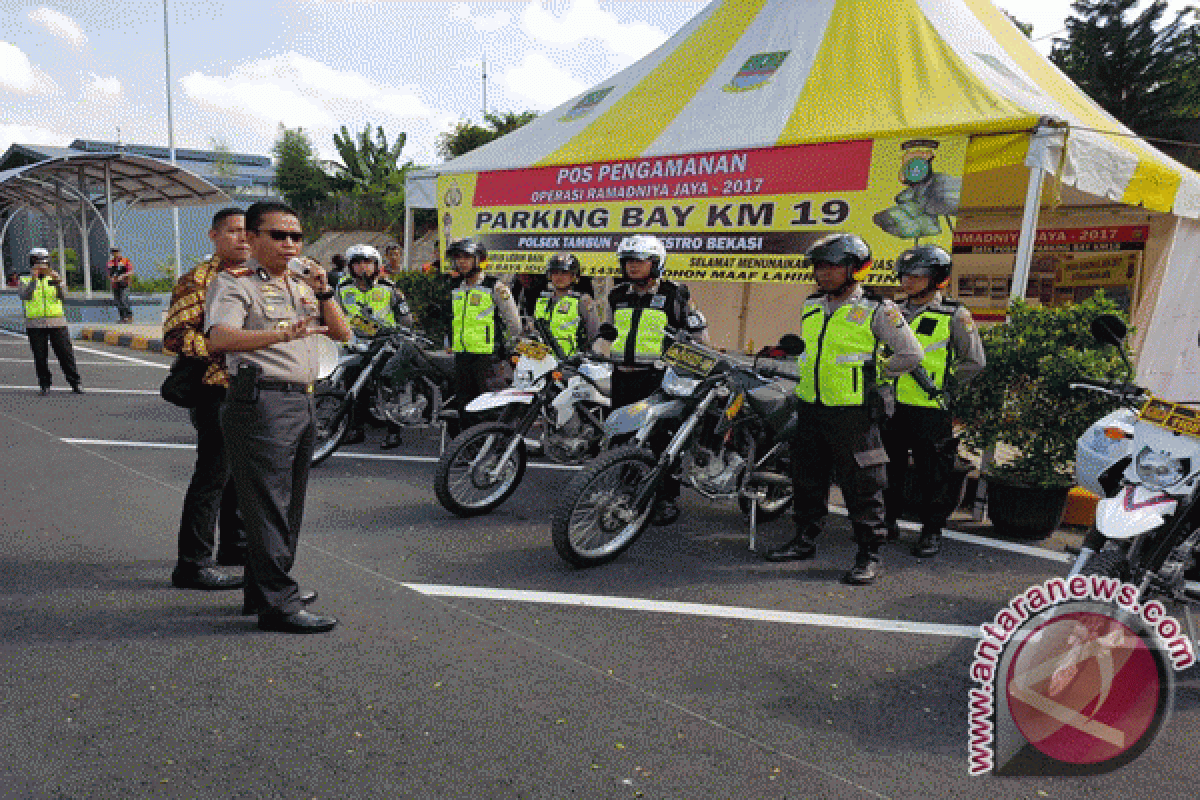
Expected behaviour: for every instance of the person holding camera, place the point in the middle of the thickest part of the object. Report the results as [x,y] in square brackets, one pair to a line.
[120,275]
[263,316]
[43,294]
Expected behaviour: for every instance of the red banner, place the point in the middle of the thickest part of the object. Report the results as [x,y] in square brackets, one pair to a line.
[1113,237]
[800,169]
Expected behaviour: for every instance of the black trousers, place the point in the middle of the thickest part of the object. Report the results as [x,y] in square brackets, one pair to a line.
[630,386]
[927,434]
[841,441]
[121,300]
[474,374]
[40,340]
[269,443]
[210,495]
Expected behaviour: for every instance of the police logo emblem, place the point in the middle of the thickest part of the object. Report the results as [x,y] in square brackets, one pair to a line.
[475,300]
[858,316]
[564,306]
[658,301]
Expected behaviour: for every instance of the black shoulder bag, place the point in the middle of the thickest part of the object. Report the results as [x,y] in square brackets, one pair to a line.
[184,384]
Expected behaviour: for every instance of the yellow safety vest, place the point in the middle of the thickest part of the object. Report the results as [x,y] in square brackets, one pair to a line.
[562,314]
[645,317]
[474,326]
[45,301]
[839,353]
[932,329]
[378,298]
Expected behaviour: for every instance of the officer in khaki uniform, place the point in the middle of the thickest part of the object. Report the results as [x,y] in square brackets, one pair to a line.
[263,317]
[570,314]
[953,354]
[483,315]
[839,375]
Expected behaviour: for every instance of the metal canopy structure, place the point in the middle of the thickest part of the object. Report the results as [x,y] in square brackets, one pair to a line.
[95,182]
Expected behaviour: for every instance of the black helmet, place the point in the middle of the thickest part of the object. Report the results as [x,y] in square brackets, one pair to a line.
[843,250]
[562,262]
[468,247]
[927,260]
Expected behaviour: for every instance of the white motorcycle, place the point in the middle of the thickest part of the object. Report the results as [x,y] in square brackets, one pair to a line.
[1148,524]
[556,405]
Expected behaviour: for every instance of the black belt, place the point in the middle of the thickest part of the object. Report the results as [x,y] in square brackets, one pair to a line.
[285,386]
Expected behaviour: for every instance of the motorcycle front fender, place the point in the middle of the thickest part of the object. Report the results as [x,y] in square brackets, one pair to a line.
[505,397]
[638,415]
[1134,511]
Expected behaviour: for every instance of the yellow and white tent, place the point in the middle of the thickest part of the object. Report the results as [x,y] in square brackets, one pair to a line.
[769,74]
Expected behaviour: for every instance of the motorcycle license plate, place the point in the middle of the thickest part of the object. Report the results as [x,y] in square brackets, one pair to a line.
[691,359]
[1172,416]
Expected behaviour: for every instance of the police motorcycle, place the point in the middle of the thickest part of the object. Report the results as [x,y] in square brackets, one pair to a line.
[409,383]
[556,403]
[1148,524]
[730,425]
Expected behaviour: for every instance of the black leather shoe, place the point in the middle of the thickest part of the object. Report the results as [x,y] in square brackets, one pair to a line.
[77,388]
[390,441]
[665,512]
[45,390]
[929,544]
[233,557]
[800,548]
[355,436]
[300,622]
[208,578]
[865,570]
[307,598]
[893,531]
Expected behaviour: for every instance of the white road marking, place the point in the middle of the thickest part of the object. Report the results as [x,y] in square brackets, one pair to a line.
[77,362]
[86,388]
[697,610]
[143,362]
[119,443]
[995,544]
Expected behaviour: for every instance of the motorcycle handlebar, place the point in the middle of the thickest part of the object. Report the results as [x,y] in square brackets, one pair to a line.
[1112,388]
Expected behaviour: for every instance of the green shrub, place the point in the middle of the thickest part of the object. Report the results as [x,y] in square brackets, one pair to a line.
[1023,398]
[429,298]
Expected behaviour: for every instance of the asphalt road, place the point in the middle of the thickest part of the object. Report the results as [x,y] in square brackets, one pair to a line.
[470,661]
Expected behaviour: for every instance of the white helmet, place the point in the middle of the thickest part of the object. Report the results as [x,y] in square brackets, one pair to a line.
[39,254]
[643,247]
[362,251]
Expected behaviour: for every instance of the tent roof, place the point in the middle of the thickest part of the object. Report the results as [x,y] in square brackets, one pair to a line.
[148,182]
[763,73]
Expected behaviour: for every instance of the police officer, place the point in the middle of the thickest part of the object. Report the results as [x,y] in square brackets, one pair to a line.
[844,329]
[482,315]
[367,299]
[921,425]
[641,309]
[571,316]
[263,317]
[42,294]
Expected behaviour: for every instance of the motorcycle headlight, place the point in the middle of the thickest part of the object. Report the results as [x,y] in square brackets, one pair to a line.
[1158,470]
[675,384]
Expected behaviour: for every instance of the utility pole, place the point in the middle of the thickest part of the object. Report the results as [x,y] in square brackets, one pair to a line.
[483,121]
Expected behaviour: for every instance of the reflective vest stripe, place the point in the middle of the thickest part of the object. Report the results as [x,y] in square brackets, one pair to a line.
[936,344]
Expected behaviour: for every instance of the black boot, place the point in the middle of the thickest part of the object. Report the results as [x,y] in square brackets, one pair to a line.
[355,435]
[867,567]
[930,542]
[893,530]
[391,440]
[801,548]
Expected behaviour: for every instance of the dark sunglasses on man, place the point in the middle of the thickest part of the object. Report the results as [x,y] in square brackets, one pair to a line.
[281,236]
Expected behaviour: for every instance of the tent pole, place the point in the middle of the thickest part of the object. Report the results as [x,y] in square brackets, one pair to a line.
[62,244]
[408,235]
[108,223]
[16,262]
[85,254]
[1029,220]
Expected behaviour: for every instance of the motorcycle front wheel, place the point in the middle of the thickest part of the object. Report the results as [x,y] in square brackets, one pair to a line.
[596,521]
[330,421]
[464,482]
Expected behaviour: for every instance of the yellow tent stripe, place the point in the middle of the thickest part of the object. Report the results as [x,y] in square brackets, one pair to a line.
[875,77]
[638,118]
[1154,182]
[993,152]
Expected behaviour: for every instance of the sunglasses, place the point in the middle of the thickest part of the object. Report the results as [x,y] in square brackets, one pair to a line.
[282,236]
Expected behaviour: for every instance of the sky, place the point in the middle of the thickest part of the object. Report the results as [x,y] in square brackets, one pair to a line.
[239,69]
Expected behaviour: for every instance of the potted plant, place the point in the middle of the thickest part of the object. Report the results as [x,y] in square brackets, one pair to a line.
[1023,406]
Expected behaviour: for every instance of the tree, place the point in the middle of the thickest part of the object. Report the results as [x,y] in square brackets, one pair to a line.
[370,165]
[223,166]
[1024,27]
[1137,68]
[467,136]
[298,174]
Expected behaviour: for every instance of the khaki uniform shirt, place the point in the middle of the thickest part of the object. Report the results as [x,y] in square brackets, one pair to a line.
[249,298]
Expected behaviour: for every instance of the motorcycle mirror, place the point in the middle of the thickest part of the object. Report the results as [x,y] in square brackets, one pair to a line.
[1109,329]
[607,332]
[791,344]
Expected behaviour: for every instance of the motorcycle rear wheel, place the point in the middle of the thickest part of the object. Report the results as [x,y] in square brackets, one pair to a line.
[594,523]
[327,404]
[460,481]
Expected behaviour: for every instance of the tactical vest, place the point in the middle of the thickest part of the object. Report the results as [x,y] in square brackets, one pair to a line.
[562,315]
[642,320]
[45,301]
[474,326]
[378,298]
[932,328]
[838,363]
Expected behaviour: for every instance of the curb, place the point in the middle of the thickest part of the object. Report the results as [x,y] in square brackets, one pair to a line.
[121,339]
